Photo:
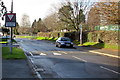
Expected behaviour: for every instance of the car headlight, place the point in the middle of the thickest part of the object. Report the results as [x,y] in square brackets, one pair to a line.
[62,43]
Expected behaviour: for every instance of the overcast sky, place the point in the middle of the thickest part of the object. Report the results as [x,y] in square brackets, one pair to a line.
[33,8]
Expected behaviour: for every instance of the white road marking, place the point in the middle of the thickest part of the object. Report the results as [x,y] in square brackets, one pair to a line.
[79,59]
[31,54]
[63,52]
[105,54]
[109,70]
[82,52]
[42,54]
[56,53]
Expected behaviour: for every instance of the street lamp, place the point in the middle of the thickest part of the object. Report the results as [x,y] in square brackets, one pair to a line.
[80,27]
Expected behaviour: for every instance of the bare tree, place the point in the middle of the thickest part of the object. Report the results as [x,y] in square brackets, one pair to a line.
[25,21]
[103,13]
[74,13]
[25,25]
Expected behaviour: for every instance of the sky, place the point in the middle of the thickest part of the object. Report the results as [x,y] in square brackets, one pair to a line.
[35,9]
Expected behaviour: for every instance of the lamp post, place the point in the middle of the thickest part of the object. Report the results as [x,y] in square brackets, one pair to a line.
[80,27]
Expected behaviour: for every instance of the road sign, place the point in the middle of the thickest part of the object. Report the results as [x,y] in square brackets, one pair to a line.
[10,20]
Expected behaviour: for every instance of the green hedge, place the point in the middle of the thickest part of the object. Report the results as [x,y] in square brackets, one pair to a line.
[109,37]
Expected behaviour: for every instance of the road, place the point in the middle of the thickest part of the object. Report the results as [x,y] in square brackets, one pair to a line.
[69,62]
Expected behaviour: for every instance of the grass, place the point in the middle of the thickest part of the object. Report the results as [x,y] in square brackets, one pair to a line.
[24,36]
[100,45]
[38,38]
[76,42]
[16,53]
[3,42]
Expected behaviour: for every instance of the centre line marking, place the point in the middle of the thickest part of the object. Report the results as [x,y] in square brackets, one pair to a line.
[31,53]
[82,52]
[63,52]
[109,70]
[79,59]
[42,54]
[56,53]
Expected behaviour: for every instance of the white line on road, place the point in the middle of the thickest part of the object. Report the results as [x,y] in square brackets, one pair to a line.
[105,54]
[42,54]
[82,52]
[79,59]
[63,52]
[31,54]
[109,70]
[56,53]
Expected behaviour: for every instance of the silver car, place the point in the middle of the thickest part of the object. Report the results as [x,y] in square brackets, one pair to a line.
[64,42]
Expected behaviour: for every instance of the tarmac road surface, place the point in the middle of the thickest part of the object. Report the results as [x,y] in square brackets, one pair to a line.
[69,62]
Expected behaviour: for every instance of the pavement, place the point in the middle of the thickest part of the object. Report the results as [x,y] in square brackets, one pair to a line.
[16,69]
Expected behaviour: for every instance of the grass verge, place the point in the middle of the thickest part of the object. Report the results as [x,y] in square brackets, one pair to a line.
[100,45]
[3,42]
[16,53]
[38,38]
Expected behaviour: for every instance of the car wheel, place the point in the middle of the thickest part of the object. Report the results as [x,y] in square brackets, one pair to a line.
[71,46]
[56,45]
[59,45]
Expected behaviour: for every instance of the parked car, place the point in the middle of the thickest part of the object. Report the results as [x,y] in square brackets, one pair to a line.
[8,37]
[64,42]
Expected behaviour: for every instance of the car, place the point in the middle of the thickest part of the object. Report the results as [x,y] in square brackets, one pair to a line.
[8,37]
[64,42]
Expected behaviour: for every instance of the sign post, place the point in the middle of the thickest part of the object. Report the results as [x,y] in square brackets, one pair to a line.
[80,27]
[10,21]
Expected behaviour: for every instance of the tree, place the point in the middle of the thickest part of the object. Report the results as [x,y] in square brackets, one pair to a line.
[74,13]
[5,30]
[15,29]
[25,26]
[94,20]
[103,13]
[38,26]
[3,9]
[34,27]
[25,21]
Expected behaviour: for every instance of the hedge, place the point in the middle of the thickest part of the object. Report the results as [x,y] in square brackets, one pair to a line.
[110,37]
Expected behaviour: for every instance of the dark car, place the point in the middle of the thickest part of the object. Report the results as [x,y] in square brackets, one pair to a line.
[64,42]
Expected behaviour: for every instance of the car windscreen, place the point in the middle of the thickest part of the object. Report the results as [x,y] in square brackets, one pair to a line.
[65,39]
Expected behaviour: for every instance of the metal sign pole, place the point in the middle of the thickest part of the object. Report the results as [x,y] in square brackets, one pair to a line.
[80,34]
[11,40]
[11,29]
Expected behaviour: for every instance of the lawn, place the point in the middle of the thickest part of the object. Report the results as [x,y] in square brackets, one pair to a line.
[17,53]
